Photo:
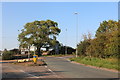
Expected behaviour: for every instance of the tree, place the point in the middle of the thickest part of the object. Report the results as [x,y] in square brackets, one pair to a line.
[39,33]
[109,29]
[82,46]
[96,47]
[14,51]
[112,42]
[106,41]
[107,26]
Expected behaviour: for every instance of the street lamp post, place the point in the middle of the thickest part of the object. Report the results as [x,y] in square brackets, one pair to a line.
[76,32]
[18,45]
[66,43]
[28,52]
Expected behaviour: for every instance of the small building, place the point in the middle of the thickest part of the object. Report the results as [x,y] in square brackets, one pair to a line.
[33,48]
[25,50]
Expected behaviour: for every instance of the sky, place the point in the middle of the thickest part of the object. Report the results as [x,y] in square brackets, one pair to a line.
[60,0]
[16,14]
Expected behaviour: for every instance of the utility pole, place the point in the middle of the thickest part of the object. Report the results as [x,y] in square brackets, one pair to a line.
[66,43]
[18,46]
[28,52]
[76,32]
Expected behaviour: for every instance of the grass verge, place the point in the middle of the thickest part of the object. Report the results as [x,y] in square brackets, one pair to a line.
[110,63]
[59,55]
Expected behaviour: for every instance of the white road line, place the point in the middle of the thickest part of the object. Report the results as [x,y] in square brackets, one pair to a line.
[33,76]
[68,60]
[52,72]
[45,66]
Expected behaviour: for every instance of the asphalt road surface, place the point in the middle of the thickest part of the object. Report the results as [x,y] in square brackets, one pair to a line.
[10,70]
[57,67]
[66,69]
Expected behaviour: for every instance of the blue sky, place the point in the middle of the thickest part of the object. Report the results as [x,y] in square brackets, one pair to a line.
[16,14]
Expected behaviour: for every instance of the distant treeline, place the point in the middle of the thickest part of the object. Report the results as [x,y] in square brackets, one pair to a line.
[105,44]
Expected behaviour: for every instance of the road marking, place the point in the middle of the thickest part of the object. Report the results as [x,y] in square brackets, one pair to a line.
[53,73]
[45,66]
[68,60]
[33,76]
[50,70]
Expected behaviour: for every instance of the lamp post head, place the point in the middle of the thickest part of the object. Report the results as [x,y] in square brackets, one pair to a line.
[75,13]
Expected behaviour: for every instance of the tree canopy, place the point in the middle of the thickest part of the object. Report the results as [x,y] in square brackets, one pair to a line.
[106,41]
[39,33]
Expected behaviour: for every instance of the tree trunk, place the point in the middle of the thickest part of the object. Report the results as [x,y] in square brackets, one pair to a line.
[47,48]
[38,51]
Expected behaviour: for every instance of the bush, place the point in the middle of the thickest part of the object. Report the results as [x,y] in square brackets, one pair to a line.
[82,46]
[7,55]
[63,49]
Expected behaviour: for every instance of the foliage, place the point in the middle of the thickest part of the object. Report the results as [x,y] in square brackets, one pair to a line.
[111,63]
[96,48]
[81,48]
[109,29]
[39,33]
[66,50]
[7,55]
[63,50]
[15,51]
[105,44]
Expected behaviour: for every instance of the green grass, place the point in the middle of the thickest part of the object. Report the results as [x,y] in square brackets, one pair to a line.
[59,55]
[110,63]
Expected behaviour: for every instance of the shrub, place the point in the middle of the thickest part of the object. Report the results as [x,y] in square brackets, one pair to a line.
[82,46]
[7,55]
[63,49]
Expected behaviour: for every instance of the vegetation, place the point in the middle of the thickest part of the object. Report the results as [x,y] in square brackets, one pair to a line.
[7,55]
[13,54]
[110,63]
[66,50]
[15,51]
[40,34]
[63,50]
[104,45]
[58,55]
[103,50]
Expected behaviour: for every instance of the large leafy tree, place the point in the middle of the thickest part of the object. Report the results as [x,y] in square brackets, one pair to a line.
[96,47]
[39,33]
[106,43]
[112,35]
[107,27]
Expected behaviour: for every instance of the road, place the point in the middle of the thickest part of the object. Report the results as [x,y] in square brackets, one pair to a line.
[10,70]
[58,67]
[66,69]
